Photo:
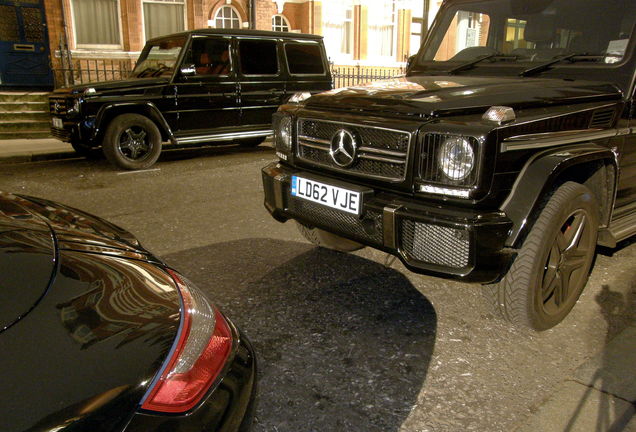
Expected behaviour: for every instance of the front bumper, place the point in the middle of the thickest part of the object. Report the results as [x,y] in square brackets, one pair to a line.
[443,241]
[229,407]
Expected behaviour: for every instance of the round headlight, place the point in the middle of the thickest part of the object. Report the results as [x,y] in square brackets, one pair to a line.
[284,134]
[456,158]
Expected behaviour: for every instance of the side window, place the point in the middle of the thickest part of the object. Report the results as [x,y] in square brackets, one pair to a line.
[258,57]
[304,59]
[211,56]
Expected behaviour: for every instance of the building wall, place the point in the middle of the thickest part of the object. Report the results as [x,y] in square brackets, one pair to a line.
[305,16]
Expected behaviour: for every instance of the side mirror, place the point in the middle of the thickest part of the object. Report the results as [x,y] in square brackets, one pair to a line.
[188,70]
[409,61]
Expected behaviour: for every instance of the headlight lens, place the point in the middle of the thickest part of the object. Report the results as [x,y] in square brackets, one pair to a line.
[283,134]
[456,158]
[299,97]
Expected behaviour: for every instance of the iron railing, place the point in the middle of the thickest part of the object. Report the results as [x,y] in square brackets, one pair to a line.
[346,76]
[83,71]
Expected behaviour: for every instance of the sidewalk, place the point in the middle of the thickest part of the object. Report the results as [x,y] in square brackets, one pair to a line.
[32,150]
[600,396]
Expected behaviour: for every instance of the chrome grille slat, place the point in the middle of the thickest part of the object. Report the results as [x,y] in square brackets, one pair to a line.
[382,152]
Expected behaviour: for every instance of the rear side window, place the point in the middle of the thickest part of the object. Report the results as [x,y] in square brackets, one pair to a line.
[258,57]
[304,59]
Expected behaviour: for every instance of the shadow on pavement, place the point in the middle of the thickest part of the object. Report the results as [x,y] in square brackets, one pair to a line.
[611,372]
[343,342]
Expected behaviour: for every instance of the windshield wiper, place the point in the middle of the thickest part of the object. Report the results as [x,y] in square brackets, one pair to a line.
[548,65]
[471,64]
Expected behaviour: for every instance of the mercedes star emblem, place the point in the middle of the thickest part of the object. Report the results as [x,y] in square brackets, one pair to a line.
[344,147]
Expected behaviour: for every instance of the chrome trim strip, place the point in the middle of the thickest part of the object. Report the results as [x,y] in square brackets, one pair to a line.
[314,140]
[550,139]
[224,137]
[314,146]
[381,159]
[383,152]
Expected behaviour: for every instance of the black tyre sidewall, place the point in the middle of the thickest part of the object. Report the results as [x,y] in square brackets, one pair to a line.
[119,124]
[568,198]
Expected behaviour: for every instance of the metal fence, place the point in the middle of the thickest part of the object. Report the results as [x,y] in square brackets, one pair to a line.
[82,71]
[345,76]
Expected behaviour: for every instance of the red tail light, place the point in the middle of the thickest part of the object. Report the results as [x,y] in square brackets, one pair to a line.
[203,346]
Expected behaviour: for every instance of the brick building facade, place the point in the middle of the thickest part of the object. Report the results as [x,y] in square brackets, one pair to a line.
[374,32]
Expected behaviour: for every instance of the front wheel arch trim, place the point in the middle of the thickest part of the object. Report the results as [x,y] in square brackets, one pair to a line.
[547,170]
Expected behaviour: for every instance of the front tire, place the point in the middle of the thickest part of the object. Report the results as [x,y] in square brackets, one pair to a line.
[132,142]
[553,264]
[327,240]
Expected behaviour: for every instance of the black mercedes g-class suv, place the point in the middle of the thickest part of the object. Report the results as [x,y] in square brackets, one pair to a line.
[505,155]
[199,86]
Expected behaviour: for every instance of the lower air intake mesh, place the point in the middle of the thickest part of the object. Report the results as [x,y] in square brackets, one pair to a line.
[367,229]
[434,244]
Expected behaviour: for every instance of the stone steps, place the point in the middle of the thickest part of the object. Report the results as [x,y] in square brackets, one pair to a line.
[24,115]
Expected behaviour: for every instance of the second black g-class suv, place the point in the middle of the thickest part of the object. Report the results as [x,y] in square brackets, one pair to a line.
[504,156]
[201,86]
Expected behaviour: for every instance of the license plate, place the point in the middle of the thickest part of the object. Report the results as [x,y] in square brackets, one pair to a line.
[328,195]
[58,123]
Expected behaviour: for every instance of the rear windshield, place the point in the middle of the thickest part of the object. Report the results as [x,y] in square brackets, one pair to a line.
[304,59]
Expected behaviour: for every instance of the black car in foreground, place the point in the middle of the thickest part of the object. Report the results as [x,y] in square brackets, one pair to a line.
[97,334]
[504,156]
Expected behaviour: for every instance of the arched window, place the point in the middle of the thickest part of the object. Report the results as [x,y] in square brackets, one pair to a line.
[227,17]
[280,23]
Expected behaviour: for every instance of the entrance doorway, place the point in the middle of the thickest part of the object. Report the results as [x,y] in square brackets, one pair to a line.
[24,46]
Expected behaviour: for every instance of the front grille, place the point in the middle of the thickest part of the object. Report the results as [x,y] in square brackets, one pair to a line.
[61,134]
[434,244]
[57,106]
[429,162]
[368,229]
[382,153]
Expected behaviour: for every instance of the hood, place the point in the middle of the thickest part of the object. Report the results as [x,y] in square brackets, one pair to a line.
[106,86]
[27,262]
[434,95]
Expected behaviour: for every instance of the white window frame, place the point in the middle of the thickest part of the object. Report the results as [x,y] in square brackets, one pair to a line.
[215,17]
[143,18]
[285,23]
[99,46]
[337,24]
[393,22]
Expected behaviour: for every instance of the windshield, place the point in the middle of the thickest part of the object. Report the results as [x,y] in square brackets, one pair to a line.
[504,32]
[159,58]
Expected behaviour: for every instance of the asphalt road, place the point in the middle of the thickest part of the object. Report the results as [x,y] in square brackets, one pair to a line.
[344,342]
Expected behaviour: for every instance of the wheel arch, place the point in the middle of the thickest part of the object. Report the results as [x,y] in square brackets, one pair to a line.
[592,165]
[108,112]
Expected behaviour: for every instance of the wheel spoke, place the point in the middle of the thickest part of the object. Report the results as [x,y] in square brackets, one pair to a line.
[550,271]
[575,231]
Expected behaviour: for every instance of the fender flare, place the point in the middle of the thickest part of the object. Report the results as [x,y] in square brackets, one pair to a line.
[147,108]
[541,173]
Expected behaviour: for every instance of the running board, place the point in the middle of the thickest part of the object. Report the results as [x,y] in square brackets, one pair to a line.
[225,136]
[618,230]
